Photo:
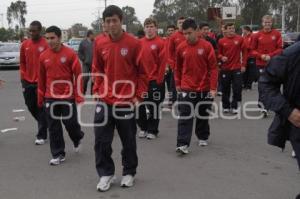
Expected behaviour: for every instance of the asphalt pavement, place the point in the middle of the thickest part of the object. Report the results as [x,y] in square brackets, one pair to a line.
[237,164]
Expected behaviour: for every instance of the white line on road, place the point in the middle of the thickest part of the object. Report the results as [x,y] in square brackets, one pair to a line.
[7,130]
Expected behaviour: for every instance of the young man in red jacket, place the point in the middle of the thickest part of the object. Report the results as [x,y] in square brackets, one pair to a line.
[98,39]
[231,51]
[250,73]
[156,90]
[58,93]
[121,82]
[169,76]
[29,65]
[174,41]
[196,77]
[266,44]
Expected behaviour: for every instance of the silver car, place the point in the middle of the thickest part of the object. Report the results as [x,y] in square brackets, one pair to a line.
[9,55]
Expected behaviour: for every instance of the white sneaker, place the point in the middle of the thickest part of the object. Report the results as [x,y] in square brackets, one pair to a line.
[293,154]
[264,112]
[78,147]
[226,110]
[40,142]
[57,161]
[235,111]
[142,134]
[182,149]
[203,143]
[219,93]
[151,136]
[105,183]
[127,181]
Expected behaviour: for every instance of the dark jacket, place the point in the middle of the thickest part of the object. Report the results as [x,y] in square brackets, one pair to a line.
[85,52]
[283,70]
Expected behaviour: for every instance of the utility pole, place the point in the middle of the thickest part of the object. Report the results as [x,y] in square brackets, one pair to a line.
[298,19]
[283,19]
[2,19]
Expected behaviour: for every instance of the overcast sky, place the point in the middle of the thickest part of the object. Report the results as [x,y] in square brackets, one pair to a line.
[65,13]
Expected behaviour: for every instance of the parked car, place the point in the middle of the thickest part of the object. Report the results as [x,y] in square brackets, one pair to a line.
[289,38]
[9,55]
[74,43]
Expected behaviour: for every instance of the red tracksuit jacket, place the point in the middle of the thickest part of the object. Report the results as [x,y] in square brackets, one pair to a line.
[123,64]
[247,42]
[59,76]
[29,59]
[269,43]
[175,39]
[156,47]
[196,67]
[235,50]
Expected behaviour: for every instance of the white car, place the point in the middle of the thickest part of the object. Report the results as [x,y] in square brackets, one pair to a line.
[9,55]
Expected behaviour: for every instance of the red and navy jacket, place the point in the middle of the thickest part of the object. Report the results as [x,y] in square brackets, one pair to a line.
[121,70]
[175,40]
[60,76]
[196,67]
[29,59]
[158,61]
[266,43]
[235,50]
[247,42]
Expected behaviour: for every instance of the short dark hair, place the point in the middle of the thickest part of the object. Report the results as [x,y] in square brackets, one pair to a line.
[149,21]
[37,24]
[189,23]
[56,30]
[90,32]
[203,24]
[227,25]
[247,28]
[180,18]
[171,26]
[112,10]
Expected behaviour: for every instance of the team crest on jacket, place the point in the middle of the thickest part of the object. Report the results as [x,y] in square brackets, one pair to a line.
[41,49]
[63,60]
[236,42]
[153,46]
[273,38]
[124,52]
[200,51]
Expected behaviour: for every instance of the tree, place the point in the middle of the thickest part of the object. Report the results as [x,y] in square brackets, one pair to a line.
[168,11]
[254,10]
[96,25]
[16,14]
[292,14]
[130,20]
[77,29]
[7,35]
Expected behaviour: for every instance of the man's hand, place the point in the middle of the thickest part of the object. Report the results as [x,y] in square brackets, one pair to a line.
[294,118]
[213,93]
[224,59]
[268,58]
[135,101]
[263,57]
[243,69]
